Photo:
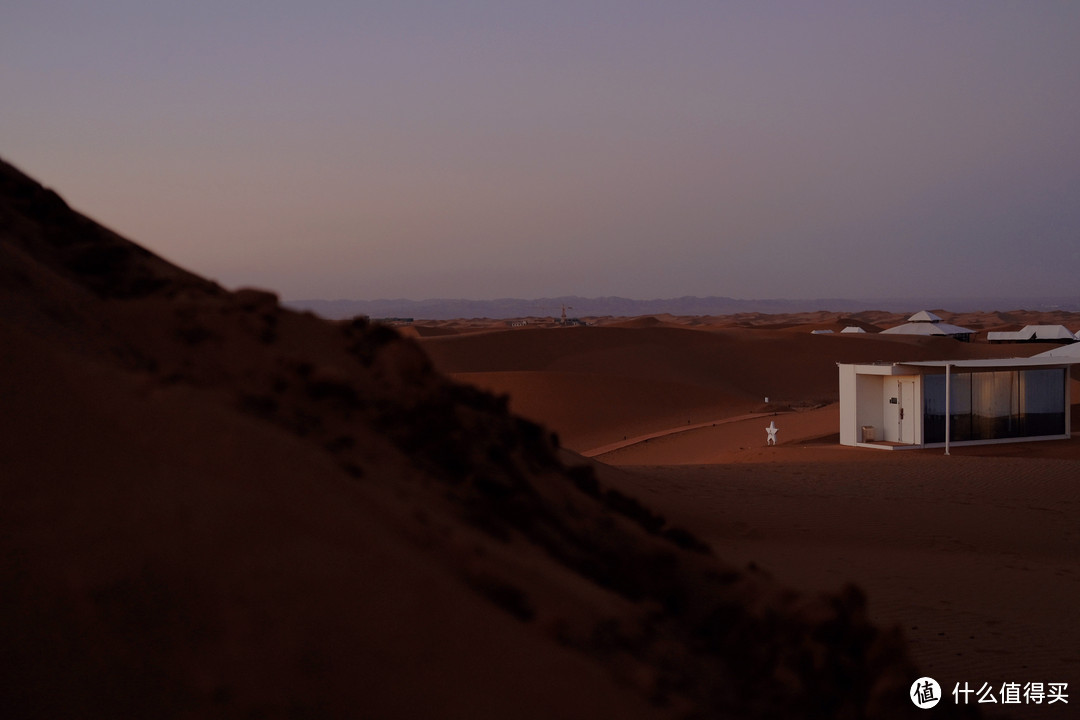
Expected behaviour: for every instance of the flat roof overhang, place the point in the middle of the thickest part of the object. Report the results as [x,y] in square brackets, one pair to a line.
[990,362]
[908,367]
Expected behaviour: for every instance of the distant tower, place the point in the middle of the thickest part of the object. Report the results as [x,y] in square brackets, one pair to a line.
[563,308]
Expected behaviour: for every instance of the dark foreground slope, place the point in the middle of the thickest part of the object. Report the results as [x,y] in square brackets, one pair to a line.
[214,507]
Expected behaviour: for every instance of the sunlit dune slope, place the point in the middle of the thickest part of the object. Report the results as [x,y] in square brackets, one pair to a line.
[597,385]
[591,409]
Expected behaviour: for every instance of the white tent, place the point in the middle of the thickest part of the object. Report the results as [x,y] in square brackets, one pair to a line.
[925,322]
[925,316]
[1034,333]
[1065,351]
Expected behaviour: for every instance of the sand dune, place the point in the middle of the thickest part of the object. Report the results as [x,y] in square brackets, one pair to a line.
[596,385]
[215,507]
[591,409]
[973,556]
[715,443]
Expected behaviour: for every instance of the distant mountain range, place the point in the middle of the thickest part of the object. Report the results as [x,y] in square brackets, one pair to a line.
[450,309]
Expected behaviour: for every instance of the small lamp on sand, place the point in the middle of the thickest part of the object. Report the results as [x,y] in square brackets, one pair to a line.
[771,430]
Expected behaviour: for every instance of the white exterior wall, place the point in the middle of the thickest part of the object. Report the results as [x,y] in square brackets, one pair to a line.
[848,396]
[863,401]
[919,405]
[869,407]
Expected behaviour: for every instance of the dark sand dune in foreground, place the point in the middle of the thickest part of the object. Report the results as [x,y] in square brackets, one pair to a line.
[214,507]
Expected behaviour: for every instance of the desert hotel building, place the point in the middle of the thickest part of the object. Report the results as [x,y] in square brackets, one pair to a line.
[962,402]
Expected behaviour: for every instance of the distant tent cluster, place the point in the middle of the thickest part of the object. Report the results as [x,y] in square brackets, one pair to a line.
[923,322]
[927,323]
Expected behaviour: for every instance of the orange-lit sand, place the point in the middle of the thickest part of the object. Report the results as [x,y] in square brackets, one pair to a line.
[603,384]
[976,556]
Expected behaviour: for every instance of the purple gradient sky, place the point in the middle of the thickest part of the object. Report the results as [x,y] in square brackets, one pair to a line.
[334,149]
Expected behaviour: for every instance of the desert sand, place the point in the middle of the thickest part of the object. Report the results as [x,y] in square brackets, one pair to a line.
[619,379]
[975,557]
[216,507]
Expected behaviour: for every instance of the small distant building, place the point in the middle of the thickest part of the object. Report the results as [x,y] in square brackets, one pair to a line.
[853,329]
[897,405]
[821,332]
[925,322]
[1033,333]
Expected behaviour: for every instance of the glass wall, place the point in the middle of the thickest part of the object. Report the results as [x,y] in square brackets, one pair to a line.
[1042,401]
[995,404]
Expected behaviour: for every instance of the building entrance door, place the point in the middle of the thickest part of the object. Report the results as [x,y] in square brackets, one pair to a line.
[900,410]
[907,412]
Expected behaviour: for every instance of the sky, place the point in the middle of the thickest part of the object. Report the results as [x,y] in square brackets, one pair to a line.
[360,150]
